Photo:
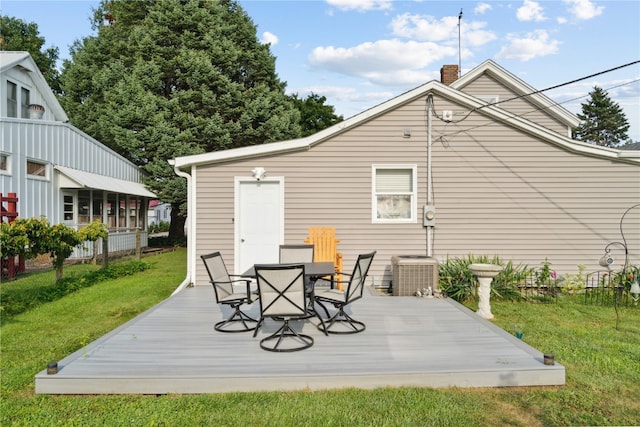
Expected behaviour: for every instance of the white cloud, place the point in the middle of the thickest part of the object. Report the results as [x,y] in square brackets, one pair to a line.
[561,20]
[530,11]
[348,100]
[345,93]
[268,37]
[534,45]
[482,8]
[428,28]
[361,5]
[385,62]
[584,9]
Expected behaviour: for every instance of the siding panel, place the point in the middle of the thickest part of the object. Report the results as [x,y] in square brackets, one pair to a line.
[497,191]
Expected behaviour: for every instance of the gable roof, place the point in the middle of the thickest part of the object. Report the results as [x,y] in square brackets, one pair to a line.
[26,63]
[520,87]
[435,87]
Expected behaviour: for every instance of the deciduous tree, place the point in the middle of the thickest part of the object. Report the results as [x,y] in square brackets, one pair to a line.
[18,35]
[315,115]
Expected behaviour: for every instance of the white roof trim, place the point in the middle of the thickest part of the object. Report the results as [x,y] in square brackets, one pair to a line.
[74,178]
[301,143]
[10,59]
[448,92]
[520,87]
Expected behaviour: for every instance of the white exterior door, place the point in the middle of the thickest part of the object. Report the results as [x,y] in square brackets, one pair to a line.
[259,222]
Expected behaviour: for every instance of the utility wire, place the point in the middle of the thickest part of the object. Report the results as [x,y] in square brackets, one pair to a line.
[571,82]
[544,90]
[525,113]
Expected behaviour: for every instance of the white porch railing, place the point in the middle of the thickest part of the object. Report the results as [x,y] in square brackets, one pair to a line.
[118,241]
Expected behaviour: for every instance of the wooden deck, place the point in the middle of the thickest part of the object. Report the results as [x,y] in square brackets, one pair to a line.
[409,341]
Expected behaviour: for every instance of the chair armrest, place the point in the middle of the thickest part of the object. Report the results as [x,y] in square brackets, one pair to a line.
[246,280]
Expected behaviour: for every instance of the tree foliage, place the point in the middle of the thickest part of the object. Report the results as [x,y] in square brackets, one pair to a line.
[602,121]
[17,35]
[314,114]
[165,78]
[30,237]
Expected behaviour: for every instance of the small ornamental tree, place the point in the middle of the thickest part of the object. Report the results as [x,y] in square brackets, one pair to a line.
[13,240]
[30,237]
[62,241]
[602,121]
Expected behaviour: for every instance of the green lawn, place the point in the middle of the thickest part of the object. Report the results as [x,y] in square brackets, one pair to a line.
[602,364]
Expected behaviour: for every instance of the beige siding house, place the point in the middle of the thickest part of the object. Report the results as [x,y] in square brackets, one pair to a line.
[506,179]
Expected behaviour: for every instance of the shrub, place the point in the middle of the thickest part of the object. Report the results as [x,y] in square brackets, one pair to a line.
[457,281]
[159,227]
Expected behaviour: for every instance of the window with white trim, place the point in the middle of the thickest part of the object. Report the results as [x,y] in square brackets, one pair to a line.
[12,99]
[36,169]
[68,207]
[394,193]
[25,100]
[4,163]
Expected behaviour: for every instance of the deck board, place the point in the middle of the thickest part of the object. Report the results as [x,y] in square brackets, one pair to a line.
[409,341]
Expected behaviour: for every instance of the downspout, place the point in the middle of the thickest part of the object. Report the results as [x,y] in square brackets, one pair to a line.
[429,181]
[190,233]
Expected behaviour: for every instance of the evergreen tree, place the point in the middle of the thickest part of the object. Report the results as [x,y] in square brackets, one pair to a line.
[17,35]
[165,78]
[314,114]
[603,121]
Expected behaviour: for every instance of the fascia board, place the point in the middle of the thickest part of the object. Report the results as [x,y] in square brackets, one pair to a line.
[26,62]
[301,143]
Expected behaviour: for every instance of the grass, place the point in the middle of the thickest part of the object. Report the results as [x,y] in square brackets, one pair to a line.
[602,364]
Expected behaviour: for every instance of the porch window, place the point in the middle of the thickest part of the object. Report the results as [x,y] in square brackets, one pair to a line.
[97,204]
[12,99]
[122,211]
[394,193]
[112,210]
[36,169]
[84,207]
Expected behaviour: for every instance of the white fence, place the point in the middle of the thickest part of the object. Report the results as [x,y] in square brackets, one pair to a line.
[118,241]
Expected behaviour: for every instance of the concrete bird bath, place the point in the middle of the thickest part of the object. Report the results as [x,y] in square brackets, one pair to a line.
[485,274]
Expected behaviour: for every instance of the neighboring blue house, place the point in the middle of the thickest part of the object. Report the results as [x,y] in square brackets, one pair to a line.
[56,170]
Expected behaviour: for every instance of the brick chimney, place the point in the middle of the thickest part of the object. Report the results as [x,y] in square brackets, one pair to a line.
[448,74]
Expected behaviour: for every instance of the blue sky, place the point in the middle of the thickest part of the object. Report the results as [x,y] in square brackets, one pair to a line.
[359,53]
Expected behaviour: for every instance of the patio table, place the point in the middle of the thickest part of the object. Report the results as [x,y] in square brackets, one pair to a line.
[312,271]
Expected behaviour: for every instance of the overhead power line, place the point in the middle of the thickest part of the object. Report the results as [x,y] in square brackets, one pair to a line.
[570,82]
[543,90]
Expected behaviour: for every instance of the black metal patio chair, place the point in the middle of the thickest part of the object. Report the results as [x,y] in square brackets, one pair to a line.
[226,294]
[342,298]
[283,298]
[290,254]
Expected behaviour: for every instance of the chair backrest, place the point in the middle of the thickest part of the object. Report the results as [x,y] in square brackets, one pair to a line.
[290,254]
[359,276]
[281,289]
[325,243]
[218,275]
[296,254]
[325,246]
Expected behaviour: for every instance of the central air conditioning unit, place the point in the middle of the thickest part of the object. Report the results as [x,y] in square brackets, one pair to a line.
[412,273]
